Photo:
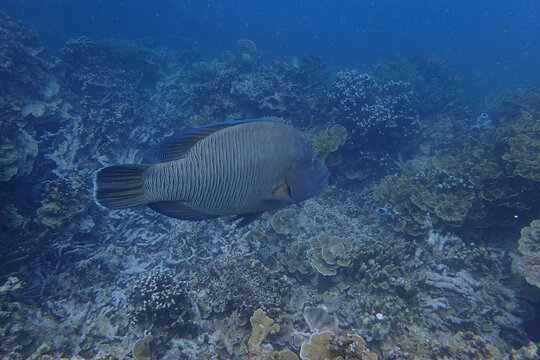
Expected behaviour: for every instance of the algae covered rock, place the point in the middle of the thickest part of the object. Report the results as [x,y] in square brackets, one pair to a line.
[328,253]
[261,326]
[141,349]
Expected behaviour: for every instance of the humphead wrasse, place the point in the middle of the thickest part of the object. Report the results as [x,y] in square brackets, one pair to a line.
[232,168]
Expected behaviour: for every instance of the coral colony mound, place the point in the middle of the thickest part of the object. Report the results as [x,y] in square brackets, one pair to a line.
[426,244]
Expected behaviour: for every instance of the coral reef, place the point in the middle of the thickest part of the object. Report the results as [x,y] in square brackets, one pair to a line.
[527,263]
[261,326]
[377,116]
[474,180]
[328,253]
[247,50]
[326,142]
[435,85]
[241,284]
[142,349]
[285,222]
[18,150]
[325,345]
[159,300]
[78,281]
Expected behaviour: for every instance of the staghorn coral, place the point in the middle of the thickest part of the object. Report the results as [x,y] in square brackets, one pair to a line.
[376,116]
[160,300]
[527,263]
[328,253]
[261,326]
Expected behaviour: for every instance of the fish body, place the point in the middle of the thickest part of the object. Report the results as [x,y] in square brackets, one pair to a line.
[235,168]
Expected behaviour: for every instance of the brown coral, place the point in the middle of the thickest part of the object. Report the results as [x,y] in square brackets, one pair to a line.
[527,263]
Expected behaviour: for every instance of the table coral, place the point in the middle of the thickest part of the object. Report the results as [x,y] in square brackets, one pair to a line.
[328,253]
[527,263]
[285,222]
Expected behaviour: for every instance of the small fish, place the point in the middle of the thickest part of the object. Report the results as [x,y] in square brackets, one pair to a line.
[231,168]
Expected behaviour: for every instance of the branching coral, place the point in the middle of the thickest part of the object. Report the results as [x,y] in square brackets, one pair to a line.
[374,114]
[159,299]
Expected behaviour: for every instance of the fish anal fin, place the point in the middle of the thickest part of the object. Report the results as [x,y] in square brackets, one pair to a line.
[179,210]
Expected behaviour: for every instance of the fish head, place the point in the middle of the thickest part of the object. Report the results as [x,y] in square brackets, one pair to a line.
[307,178]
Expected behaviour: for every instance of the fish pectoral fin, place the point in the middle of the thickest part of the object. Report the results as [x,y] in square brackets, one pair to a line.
[282,193]
[179,210]
[178,146]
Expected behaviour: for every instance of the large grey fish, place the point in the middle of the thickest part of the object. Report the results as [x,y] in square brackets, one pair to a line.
[232,168]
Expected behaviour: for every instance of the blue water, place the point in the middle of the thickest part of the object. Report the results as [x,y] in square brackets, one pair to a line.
[491,45]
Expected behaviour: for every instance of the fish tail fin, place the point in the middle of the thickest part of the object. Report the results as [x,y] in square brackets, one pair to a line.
[120,186]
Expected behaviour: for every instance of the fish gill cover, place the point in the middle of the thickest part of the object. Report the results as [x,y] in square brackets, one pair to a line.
[424,245]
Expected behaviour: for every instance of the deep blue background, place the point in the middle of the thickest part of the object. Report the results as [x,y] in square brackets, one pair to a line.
[490,44]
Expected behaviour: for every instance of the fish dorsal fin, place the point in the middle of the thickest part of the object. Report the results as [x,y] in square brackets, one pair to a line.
[178,146]
[179,210]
